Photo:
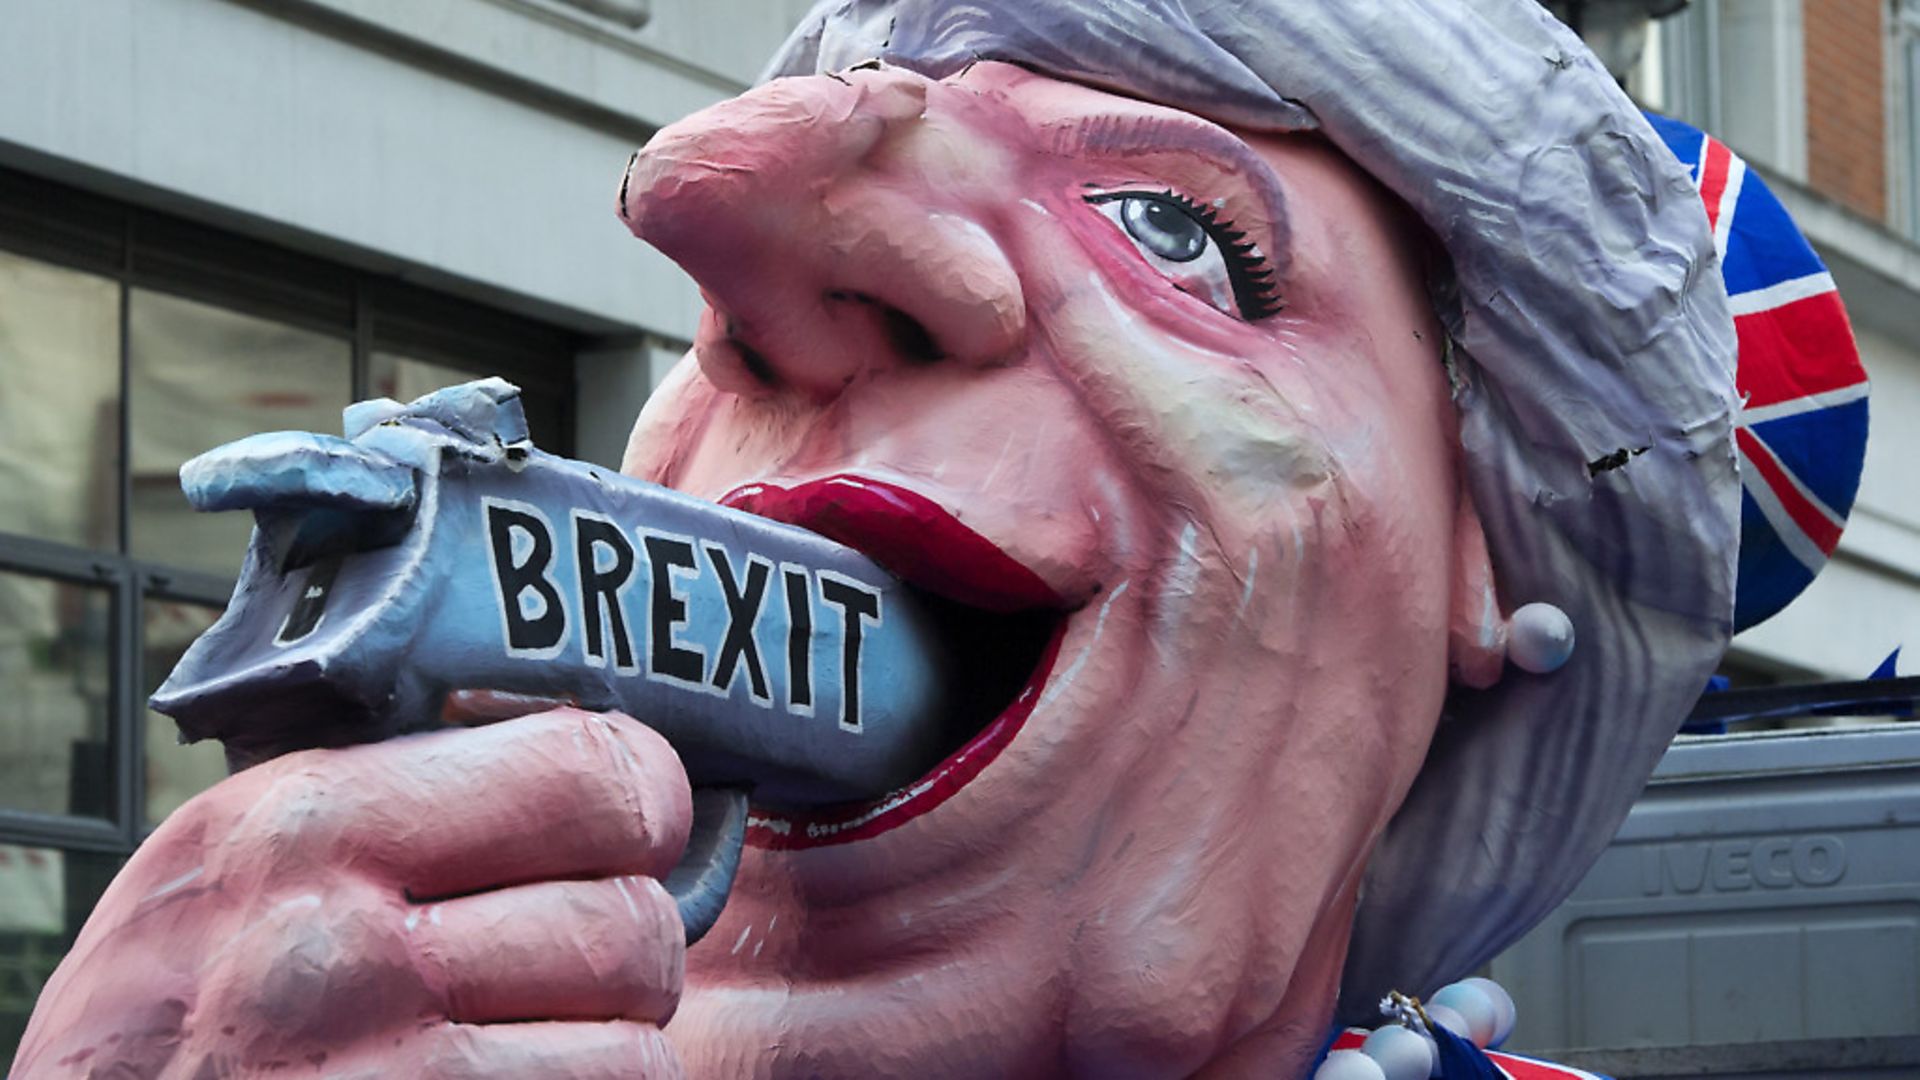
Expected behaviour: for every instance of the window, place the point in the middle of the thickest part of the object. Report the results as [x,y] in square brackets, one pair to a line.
[129,342]
[1906,110]
[1736,69]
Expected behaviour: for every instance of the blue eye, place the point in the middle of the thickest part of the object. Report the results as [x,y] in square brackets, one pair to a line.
[1165,229]
[1190,244]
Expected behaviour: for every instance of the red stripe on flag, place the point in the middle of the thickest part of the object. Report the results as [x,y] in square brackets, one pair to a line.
[1805,347]
[1715,164]
[1521,1068]
[1350,1039]
[1812,520]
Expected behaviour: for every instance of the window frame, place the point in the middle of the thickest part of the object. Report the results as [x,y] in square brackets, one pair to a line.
[1692,77]
[1902,64]
[141,248]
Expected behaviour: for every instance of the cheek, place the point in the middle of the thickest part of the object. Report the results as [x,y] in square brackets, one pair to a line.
[1382,403]
[674,415]
[1196,418]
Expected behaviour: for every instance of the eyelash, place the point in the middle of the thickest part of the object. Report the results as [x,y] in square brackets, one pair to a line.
[1255,292]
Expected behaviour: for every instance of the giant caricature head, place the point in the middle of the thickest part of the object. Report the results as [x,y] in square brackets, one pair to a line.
[1222,377]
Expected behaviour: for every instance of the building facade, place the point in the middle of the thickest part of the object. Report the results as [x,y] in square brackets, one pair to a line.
[226,216]
[1822,98]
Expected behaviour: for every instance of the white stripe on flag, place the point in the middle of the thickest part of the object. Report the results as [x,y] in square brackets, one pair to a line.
[1799,544]
[1806,492]
[1780,293]
[1729,198]
[1826,399]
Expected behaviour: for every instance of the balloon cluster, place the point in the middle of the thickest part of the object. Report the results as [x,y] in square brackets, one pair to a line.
[1478,1010]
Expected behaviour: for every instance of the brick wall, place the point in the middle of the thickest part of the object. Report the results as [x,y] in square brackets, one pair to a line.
[1846,112]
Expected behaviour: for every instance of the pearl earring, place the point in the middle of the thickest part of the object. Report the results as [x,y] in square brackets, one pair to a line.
[1539,638]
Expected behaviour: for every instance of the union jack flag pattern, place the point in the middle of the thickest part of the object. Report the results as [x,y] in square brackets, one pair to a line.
[1509,1066]
[1802,432]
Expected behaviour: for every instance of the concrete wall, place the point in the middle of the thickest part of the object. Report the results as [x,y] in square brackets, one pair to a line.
[333,138]
[471,145]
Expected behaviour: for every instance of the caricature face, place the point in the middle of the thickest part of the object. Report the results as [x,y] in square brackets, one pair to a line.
[1174,394]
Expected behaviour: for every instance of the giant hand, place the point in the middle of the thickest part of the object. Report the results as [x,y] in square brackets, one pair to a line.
[467,903]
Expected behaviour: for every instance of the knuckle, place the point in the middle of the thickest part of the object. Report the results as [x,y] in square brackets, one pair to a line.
[641,924]
[661,960]
[281,809]
[280,975]
[628,779]
[296,804]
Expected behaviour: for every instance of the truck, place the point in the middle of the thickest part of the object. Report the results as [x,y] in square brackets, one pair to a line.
[1756,917]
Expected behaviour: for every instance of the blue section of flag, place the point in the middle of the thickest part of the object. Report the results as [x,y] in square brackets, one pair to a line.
[1823,448]
[1770,576]
[1889,667]
[1683,139]
[1461,1060]
[1764,247]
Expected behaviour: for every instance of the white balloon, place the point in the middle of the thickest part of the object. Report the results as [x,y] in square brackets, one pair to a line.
[1503,1005]
[1474,1006]
[1401,1053]
[1448,1017]
[1348,1065]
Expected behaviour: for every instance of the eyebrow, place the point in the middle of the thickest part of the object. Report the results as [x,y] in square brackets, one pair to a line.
[1125,136]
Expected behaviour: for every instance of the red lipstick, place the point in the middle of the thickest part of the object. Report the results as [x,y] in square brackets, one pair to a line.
[995,600]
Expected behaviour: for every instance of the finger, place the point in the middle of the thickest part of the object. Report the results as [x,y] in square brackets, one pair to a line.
[591,1050]
[560,950]
[476,708]
[562,794]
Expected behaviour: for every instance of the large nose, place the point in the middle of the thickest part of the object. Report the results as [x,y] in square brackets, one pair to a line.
[836,224]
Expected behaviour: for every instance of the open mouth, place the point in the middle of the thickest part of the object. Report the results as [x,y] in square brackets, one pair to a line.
[1000,622]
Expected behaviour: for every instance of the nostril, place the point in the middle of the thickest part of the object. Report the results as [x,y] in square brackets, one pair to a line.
[730,363]
[909,336]
[755,362]
[752,359]
[626,178]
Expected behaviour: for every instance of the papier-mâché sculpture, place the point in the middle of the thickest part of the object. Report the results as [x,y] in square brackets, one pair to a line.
[1291,347]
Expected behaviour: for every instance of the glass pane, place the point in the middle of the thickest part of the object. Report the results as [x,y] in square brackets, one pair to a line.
[59,412]
[1913,131]
[45,896]
[403,378]
[55,693]
[175,773]
[202,376]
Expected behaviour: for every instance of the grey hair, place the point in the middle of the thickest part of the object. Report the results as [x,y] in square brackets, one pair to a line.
[1590,321]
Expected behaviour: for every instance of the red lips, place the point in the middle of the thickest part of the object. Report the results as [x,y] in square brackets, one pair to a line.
[909,534]
[926,546]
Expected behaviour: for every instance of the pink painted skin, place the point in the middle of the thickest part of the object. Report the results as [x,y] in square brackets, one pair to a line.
[1259,534]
